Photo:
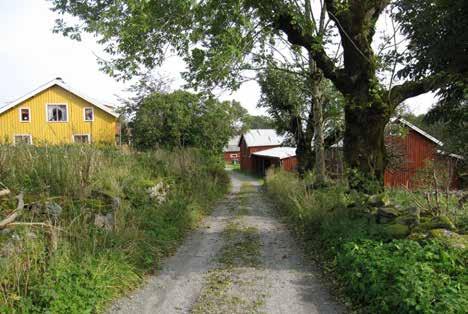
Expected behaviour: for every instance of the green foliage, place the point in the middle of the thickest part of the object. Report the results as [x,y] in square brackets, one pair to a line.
[182,119]
[258,122]
[92,265]
[378,274]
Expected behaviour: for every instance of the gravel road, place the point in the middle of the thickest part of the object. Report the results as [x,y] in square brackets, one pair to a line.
[195,281]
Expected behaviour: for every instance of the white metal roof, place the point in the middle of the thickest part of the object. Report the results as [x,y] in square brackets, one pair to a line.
[339,144]
[418,130]
[441,152]
[277,152]
[61,83]
[233,145]
[262,137]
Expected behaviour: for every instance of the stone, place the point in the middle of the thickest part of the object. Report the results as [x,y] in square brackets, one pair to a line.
[417,236]
[104,221]
[408,220]
[53,209]
[396,231]
[414,211]
[386,214]
[378,200]
[450,238]
[438,222]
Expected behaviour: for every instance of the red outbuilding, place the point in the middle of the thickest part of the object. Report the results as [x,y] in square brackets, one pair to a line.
[256,140]
[412,150]
[278,157]
[231,151]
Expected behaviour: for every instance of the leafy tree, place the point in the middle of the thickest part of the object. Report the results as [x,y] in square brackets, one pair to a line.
[287,97]
[258,122]
[439,47]
[222,39]
[182,119]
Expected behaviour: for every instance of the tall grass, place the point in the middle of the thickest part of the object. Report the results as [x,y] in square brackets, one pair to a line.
[72,266]
[377,274]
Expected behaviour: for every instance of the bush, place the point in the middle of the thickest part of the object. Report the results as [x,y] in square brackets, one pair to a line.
[379,275]
[92,265]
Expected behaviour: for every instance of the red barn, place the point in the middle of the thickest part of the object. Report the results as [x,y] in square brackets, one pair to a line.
[231,151]
[410,151]
[280,157]
[413,149]
[255,141]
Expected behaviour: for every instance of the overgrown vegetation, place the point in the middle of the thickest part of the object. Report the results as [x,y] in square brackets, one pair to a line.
[95,221]
[380,274]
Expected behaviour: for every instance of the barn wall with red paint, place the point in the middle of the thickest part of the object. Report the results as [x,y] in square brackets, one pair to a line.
[246,163]
[230,157]
[417,150]
[289,164]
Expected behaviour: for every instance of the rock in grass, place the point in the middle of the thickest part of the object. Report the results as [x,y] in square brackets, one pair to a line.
[105,222]
[410,218]
[386,214]
[396,231]
[450,238]
[417,236]
[53,209]
[378,200]
[438,222]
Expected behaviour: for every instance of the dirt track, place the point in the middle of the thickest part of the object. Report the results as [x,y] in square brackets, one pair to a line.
[240,260]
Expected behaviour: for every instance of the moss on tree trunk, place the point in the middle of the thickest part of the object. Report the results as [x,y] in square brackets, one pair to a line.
[364,147]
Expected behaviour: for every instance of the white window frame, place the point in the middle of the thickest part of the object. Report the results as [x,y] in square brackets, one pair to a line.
[29,112]
[56,104]
[84,114]
[85,134]
[29,135]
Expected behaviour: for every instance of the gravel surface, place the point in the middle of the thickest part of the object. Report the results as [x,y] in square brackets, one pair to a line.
[280,283]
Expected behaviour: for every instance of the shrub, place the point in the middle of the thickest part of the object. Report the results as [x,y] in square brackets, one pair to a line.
[379,275]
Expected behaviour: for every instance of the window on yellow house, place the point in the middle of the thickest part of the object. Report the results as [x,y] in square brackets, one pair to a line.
[25,115]
[57,113]
[81,139]
[88,114]
[20,139]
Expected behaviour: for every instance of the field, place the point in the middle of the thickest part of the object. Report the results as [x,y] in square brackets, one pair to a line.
[95,221]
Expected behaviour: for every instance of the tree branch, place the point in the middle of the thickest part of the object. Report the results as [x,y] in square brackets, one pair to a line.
[410,89]
[296,36]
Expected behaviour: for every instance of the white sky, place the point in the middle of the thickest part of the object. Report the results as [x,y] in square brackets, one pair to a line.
[31,55]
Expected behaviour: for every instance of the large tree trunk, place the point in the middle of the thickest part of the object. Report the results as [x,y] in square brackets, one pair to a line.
[317,100]
[364,147]
[304,152]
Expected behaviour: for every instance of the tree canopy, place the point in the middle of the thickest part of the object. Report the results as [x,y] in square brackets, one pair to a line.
[223,40]
[183,119]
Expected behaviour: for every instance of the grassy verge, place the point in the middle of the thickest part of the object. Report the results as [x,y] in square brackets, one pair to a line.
[71,263]
[378,274]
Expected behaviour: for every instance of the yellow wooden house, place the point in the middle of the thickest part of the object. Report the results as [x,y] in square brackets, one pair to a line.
[55,113]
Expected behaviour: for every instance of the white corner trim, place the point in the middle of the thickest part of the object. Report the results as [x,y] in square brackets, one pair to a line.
[19,112]
[56,104]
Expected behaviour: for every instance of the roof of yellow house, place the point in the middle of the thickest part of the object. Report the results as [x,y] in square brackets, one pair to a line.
[59,82]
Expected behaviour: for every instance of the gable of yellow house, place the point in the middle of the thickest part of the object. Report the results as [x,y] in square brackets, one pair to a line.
[55,113]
